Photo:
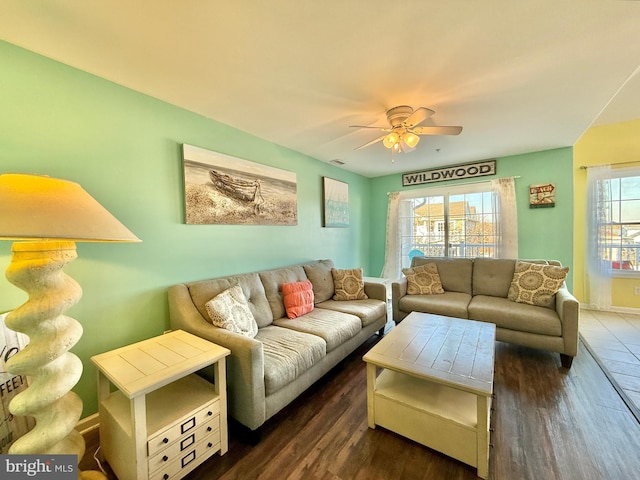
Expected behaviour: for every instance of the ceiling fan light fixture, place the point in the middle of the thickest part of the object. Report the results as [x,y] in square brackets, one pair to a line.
[411,139]
[390,140]
[405,129]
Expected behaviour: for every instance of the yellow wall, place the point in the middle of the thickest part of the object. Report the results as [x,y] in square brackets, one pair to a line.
[608,144]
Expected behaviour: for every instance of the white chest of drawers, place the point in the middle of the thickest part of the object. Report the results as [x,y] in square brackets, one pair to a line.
[163,420]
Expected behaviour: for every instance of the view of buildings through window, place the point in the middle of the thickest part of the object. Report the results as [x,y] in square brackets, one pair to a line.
[620,229]
[450,225]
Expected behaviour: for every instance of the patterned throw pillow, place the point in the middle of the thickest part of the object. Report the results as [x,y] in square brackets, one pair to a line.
[298,298]
[230,310]
[423,279]
[536,284]
[348,284]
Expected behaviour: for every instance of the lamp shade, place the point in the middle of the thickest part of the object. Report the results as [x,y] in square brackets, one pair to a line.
[411,139]
[41,207]
[391,139]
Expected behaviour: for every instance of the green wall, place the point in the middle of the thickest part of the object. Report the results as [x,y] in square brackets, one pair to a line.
[542,232]
[124,148]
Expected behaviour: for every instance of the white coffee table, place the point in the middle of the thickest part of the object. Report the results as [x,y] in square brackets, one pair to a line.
[435,385]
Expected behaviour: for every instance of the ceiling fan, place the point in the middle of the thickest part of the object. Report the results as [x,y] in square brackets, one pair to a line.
[403,131]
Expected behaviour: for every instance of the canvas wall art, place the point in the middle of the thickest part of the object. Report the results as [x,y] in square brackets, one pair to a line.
[220,189]
[336,202]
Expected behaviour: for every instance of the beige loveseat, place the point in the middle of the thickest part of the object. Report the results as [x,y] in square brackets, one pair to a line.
[478,289]
[267,372]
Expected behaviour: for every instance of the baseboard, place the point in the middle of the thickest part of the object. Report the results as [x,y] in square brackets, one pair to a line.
[87,424]
[629,310]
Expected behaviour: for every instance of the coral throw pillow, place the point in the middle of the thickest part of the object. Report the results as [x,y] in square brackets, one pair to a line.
[298,298]
[230,310]
[536,284]
[423,279]
[348,284]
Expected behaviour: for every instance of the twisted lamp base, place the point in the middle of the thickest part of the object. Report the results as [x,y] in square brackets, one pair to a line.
[36,268]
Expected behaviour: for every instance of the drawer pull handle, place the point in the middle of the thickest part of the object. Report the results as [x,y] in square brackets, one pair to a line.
[165,458]
[165,440]
[209,444]
[209,413]
[209,429]
[165,476]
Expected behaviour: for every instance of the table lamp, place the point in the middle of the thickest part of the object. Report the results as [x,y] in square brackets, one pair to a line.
[46,216]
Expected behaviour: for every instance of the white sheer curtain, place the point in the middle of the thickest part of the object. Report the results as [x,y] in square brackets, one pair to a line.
[392,251]
[507,217]
[597,270]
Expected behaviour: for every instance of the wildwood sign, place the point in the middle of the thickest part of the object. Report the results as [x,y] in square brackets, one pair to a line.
[456,172]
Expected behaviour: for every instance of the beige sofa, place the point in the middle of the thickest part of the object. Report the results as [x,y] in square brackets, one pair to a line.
[267,372]
[477,289]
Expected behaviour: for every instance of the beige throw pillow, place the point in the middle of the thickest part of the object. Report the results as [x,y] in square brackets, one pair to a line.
[348,284]
[536,284]
[423,280]
[230,310]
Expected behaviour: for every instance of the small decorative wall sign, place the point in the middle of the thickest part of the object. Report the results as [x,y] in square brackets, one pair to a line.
[336,202]
[220,189]
[542,195]
[456,172]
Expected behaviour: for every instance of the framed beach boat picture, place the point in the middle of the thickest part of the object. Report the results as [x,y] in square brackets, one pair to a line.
[225,190]
[335,202]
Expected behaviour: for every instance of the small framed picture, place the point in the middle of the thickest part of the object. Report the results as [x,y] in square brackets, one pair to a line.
[335,203]
[542,196]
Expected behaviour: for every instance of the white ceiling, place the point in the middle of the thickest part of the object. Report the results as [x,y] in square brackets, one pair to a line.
[519,76]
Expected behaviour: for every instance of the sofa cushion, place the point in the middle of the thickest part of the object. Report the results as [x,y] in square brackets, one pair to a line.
[492,276]
[348,284]
[334,327]
[451,304]
[319,273]
[455,273]
[298,298]
[272,281]
[368,310]
[287,355]
[203,291]
[229,310]
[536,284]
[423,280]
[515,316]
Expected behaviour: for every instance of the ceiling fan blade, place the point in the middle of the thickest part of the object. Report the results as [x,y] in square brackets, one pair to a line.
[382,129]
[437,130]
[418,116]
[371,142]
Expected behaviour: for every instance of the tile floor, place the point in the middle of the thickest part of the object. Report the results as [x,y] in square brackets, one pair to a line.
[615,339]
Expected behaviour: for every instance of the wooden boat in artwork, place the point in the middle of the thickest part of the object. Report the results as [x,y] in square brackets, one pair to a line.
[243,190]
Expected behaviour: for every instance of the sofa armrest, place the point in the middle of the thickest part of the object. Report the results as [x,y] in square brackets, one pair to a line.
[376,290]
[568,309]
[398,290]
[245,365]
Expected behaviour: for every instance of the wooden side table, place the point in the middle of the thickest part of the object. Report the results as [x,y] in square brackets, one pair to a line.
[163,419]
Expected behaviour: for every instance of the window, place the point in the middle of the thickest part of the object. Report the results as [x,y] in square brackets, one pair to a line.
[618,215]
[459,222]
[467,220]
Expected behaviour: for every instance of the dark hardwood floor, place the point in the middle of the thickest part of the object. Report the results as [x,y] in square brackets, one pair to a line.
[549,423]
